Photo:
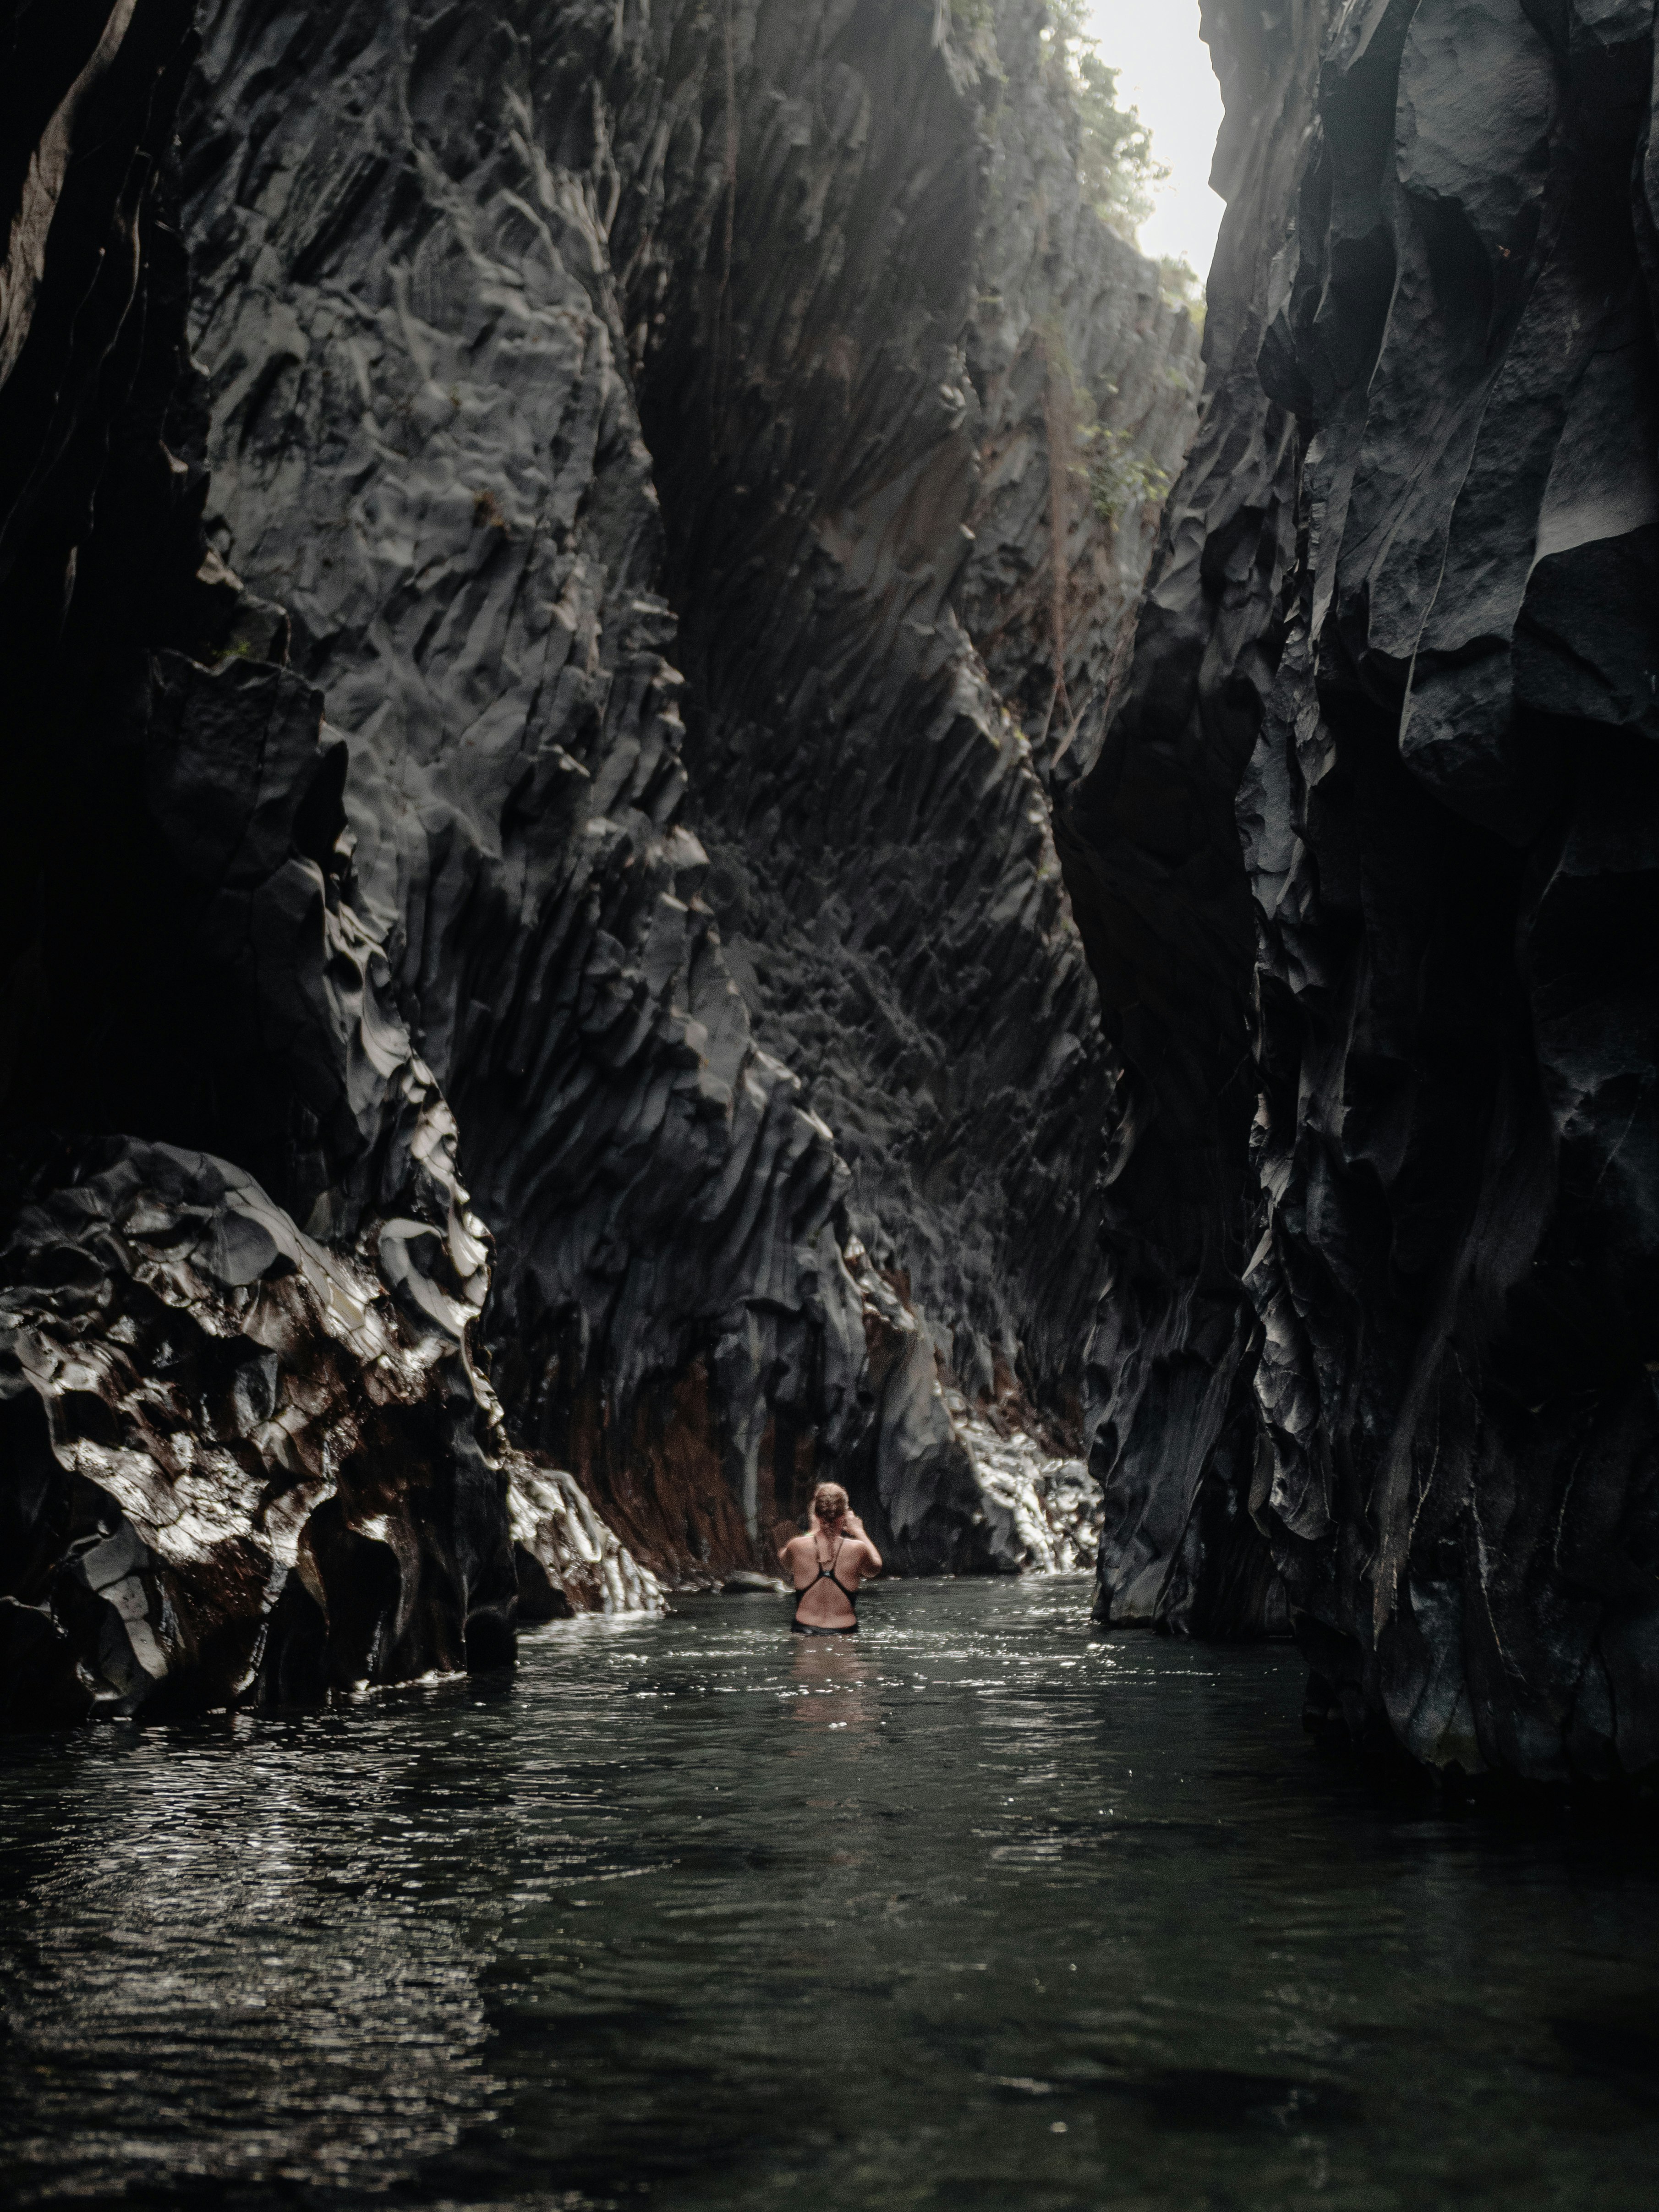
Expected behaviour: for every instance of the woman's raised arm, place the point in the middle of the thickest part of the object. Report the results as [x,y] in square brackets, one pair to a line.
[871,1566]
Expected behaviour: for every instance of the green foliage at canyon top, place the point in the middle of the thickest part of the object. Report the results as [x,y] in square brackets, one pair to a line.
[1119,172]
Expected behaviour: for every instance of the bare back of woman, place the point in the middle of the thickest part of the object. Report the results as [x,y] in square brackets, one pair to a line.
[827,1565]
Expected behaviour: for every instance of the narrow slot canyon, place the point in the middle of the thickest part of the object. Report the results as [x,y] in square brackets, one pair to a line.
[715,801]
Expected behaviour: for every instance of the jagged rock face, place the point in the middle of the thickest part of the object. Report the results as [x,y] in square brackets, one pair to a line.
[1054,1502]
[185,1478]
[246,1469]
[1069,349]
[1416,555]
[239,1468]
[424,441]
[852,296]
[444,264]
[769,1038]
[1151,849]
[567,1559]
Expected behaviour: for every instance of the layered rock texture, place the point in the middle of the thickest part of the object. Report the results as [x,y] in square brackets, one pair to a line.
[236,1464]
[635,412]
[1367,870]
[548,565]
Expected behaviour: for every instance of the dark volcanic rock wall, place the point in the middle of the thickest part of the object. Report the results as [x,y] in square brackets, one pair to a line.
[277,1479]
[239,1467]
[1415,635]
[425,444]
[199,1403]
[540,347]
[851,451]
[756,997]
[1151,854]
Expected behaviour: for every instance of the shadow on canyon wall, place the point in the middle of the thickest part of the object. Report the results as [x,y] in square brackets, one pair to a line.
[615,423]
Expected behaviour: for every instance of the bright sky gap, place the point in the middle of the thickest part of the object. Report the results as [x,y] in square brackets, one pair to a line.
[1164,72]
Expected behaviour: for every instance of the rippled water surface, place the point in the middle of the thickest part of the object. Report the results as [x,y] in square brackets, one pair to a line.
[982,1911]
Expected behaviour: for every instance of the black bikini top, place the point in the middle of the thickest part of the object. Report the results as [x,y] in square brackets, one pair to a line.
[829,1575]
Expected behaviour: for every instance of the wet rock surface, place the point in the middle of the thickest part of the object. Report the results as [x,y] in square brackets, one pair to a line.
[240,1467]
[1052,1502]
[567,1559]
[1400,626]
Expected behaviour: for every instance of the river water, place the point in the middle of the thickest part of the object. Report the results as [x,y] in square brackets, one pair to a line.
[986,1911]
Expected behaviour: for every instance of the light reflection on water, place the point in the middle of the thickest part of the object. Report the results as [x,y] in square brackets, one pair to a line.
[980,1911]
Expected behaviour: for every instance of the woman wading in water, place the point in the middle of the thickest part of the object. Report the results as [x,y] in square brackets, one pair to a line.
[828,1565]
